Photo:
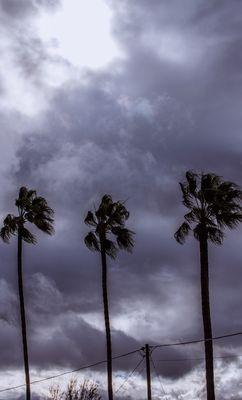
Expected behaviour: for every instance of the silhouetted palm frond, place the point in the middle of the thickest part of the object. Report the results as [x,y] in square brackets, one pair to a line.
[27,236]
[10,227]
[215,235]
[124,238]
[192,182]
[33,209]
[5,234]
[182,232]
[214,204]
[108,219]
[92,242]
[110,248]
[44,225]
[90,219]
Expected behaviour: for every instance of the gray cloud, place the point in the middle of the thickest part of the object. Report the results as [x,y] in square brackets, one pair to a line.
[132,131]
[23,8]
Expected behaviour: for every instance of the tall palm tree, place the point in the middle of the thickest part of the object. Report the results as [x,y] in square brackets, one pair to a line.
[108,220]
[35,210]
[213,204]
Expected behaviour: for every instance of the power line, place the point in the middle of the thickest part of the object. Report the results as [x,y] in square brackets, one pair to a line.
[125,354]
[129,375]
[158,376]
[141,371]
[120,356]
[197,359]
[196,341]
[70,372]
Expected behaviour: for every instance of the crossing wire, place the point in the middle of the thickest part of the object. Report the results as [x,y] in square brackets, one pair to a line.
[158,376]
[195,341]
[129,375]
[198,359]
[69,372]
[154,347]
[142,369]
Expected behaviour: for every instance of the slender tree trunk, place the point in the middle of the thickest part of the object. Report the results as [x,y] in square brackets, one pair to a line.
[206,317]
[23,319]
[148,376]
[107,323]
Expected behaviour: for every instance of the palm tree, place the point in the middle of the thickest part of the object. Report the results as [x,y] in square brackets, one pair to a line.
[35,210]
[213,204]
[108,220]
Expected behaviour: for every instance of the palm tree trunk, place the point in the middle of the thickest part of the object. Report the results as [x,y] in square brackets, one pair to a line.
[107,323]
[206,317]
[23,319]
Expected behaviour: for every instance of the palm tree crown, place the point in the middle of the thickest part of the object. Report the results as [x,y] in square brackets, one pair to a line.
[214,204]
[33,209]
[109,219]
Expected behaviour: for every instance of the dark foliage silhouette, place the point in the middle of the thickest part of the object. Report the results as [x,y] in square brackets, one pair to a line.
[34,210]
[213,204]
[109,220]
[86,391]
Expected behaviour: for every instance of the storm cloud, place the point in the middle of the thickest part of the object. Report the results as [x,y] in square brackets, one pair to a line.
[131,129]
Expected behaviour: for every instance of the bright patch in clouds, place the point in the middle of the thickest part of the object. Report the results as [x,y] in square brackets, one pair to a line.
[176,48]
[80,31]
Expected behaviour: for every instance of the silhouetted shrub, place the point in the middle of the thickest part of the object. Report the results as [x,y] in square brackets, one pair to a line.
[85,391]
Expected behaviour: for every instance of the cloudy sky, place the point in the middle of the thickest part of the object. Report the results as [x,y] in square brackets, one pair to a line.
[119,97]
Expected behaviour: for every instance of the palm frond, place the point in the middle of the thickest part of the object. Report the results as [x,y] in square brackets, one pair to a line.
[182,232]
[5,234]
[210,181]
[209,187]
[23,200]
[198,231]
[229,219]
[10,227]
[215,235]
[31,194]
[90,219]
[214,205]
[44,225]
[27,236]
[104,208]
[106,200]
[124,238]
[109,219]
[187,198]
[11,222]
[119,215]
[23,192]
[38,212]
[193,215]
[33,209]
[40,206]
[229,192]
[192,182]
[92,242]
[30,216]
[110,248]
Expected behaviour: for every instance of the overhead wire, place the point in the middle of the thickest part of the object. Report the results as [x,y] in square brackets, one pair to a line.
[158,376]
[198,359]
[153,347]
[129,375]
[195,341]
[69,372]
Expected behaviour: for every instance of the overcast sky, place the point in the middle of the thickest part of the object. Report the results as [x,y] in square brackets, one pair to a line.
[119,97]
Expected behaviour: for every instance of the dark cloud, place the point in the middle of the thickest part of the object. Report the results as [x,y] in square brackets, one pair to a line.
[24,8]
[132,131]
